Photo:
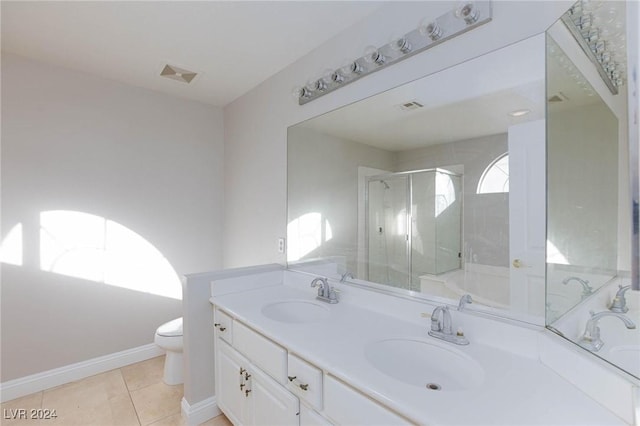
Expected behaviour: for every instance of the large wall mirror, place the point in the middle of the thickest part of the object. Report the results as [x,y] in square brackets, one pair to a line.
[589,296]
[433,189]
[438,188]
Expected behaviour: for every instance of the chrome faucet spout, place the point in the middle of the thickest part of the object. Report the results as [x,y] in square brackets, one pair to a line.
[443,329]
[587,290]
[591,338]
[346,275]
[325,292]
[465,299]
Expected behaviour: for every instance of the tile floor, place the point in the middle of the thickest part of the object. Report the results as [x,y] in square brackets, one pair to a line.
[129,396]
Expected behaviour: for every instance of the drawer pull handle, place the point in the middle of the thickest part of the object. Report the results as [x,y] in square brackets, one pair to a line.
[304,387]
[246,393]
[217,324]
[242,371]
[291,378]
[246,376]
[242,386]
[223,328]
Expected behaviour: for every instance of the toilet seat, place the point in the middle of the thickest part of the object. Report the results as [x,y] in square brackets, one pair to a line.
[171,328]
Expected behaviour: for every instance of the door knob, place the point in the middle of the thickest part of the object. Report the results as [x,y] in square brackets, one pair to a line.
[517,263]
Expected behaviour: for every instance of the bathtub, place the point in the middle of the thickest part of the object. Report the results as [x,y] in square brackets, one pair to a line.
[488,285]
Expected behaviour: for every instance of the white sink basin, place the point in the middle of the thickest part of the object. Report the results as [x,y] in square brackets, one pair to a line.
[430,366]
[295,311]
[626,357]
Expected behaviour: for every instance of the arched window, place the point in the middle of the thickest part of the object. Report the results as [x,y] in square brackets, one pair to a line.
[495,178]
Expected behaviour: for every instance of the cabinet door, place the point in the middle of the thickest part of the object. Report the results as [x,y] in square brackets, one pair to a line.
[309,417]
[231,397]
[271,403]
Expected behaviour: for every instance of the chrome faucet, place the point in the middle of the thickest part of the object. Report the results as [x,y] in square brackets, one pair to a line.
[591,338]
[587,290]
[464,300]
[326,293]
[619,303]
[444,329]
[346,275]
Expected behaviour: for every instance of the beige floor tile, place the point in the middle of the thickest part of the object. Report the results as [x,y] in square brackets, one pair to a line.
[155,402]
[174,420]
[221,420]
[98,400]
[143,374]
[17,412]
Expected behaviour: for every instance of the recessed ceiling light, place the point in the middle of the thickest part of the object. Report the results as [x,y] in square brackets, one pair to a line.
[176,73]
[519,112]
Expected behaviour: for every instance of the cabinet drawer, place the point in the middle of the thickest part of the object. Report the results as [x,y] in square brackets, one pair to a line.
[223,324]
[347,406]
[305,380]
[265,354]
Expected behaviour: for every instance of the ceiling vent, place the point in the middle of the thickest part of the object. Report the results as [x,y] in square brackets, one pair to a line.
[176,73]
[410,106]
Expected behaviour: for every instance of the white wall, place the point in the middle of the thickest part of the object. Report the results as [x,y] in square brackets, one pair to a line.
[326,182]
[147,161]
[256,124]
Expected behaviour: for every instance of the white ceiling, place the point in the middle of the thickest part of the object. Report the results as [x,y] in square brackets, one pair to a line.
[232,45]
[469,100]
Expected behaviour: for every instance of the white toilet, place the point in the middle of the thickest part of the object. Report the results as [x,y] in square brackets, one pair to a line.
[169,337]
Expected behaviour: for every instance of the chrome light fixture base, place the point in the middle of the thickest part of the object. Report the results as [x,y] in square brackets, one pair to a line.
[467,16]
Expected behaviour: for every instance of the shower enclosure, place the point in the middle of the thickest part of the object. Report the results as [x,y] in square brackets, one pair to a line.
[413,226]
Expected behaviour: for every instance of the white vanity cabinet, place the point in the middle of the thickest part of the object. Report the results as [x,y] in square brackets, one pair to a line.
[250,397]
[245,392]
[259,382]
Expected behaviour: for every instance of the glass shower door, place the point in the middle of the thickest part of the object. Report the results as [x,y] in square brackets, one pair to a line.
[388,230]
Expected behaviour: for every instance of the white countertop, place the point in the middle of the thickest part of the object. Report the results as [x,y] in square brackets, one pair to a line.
[516,390]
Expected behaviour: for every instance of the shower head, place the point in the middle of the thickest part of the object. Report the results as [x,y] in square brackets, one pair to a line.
[386,185]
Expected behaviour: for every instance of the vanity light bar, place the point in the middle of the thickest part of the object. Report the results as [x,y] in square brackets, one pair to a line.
[465,17]
[600,40]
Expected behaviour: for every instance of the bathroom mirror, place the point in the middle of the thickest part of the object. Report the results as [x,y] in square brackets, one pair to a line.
[582,193]
[428,190]
[588,200]
[589,299]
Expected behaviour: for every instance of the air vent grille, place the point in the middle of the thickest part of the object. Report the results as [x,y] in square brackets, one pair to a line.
[179,74]
[411,105]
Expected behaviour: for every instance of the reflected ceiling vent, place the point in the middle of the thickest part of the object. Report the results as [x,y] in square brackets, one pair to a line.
[411,105]
[176,73]
[558,97]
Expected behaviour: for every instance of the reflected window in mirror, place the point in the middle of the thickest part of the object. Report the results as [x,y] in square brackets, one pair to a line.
[495,178]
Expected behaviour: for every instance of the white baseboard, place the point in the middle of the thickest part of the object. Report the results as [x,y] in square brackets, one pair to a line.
[200,412]
[16,388]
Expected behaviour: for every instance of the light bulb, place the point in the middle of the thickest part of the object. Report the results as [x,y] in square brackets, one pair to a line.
[430,29]
[400,44]
[337,76]
[469,12]
[314,85]
[327,76]
[299,92]
[373,56]
[590,5]
[351,67]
